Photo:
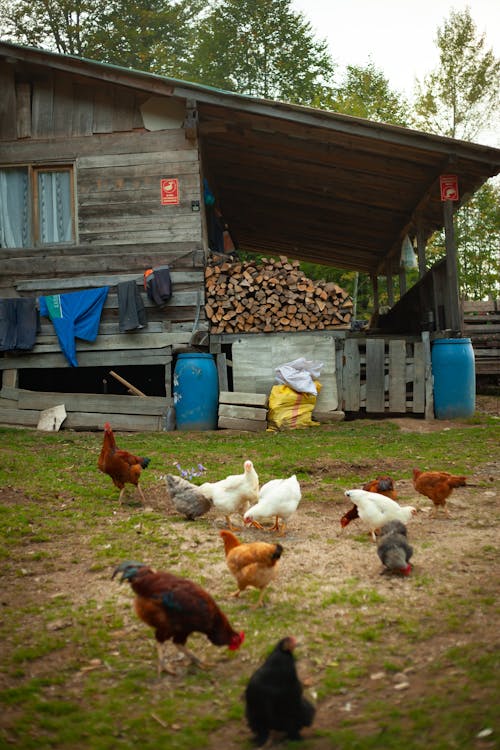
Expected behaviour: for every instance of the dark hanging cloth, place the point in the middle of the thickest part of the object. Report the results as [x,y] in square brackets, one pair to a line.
[19,323]
[131,310]
[158,284]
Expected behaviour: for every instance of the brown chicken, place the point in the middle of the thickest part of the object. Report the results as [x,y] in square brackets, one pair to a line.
[252,563]
[123,467]
[176,607]
[437,486]
[382,485]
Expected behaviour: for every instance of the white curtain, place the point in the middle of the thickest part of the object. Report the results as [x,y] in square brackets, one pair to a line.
[54,207]
[14,213]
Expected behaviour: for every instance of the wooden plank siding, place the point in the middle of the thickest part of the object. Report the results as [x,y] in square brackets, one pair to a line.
[481,323]
[56,118]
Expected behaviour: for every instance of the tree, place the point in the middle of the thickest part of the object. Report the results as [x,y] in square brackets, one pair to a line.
[477,228]
[60,25]
[460,97]
[155,36]
[261,48]
[365,92]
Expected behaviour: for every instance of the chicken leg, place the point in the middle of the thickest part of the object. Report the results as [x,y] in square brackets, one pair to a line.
[162,665]
[230,525]
[192,657]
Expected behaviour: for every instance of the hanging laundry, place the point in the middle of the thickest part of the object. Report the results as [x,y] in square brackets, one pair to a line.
[158,284]
[74,315]
[131,310]
[19,323]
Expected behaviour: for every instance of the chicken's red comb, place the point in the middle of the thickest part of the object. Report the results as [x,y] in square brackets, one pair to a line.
[236,641]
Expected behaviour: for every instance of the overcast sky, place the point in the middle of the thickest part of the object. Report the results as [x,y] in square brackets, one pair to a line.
[397,35]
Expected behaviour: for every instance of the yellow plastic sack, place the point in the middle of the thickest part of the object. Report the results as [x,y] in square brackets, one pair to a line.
[289,409]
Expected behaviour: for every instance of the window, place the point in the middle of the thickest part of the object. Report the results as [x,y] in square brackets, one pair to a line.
[36,206]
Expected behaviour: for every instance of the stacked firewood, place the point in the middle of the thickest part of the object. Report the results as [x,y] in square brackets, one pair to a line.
[273,295]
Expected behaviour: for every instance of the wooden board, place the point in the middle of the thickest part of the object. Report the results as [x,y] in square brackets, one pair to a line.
[90,359]
[419,359]
[351,375]
[397,375]
[95,402]
[249,425]
[375,375]
[243,399]
[242,412]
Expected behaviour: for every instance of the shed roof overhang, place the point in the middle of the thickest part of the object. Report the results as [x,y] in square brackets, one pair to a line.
[313,185]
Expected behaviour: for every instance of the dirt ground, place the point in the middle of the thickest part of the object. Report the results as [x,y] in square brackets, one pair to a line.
[445,549]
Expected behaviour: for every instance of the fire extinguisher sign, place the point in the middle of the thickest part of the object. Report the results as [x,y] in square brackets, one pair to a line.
[449,187]
[170,191]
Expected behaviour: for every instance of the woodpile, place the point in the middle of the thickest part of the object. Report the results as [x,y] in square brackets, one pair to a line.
[272,295]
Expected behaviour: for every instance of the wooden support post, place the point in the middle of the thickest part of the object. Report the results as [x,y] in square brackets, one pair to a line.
[376,301]
[402,282]
[421,246]
[451,268]
[390,289]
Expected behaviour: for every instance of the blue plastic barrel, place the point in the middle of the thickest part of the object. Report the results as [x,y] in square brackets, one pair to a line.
[454,378]
[196,391]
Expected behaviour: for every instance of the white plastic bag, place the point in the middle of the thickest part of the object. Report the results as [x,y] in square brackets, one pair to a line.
[408,258]
[300,375]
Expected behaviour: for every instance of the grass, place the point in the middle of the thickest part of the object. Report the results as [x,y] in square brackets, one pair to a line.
[78,668]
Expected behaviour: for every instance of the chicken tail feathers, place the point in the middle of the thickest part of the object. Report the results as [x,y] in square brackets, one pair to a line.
[455,481]
[230,540]
[277,552]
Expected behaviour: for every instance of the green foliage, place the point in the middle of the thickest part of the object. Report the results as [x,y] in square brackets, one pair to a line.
[61,25]
[157,36]
[460,97]
[262,48]
[365,92]
[477,228]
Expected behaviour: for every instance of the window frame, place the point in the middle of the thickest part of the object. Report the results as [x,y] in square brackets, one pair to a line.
[33,171]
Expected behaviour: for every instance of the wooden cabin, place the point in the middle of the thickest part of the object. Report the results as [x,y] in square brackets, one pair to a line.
[107,172]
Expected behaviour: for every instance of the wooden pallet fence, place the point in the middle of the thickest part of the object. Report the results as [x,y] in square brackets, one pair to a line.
[386,375]
[242,411]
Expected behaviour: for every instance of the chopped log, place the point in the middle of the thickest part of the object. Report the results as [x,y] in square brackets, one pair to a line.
[274,296]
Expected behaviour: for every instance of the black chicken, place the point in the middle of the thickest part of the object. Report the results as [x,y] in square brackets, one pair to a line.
[273,696]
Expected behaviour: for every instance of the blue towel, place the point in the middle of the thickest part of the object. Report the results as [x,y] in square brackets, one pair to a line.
[74,315]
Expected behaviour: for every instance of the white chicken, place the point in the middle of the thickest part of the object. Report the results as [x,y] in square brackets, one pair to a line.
[234,493]
[376,510]
[278,498]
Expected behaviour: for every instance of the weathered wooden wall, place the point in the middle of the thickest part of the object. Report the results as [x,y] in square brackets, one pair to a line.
[481,323]
[121,227]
